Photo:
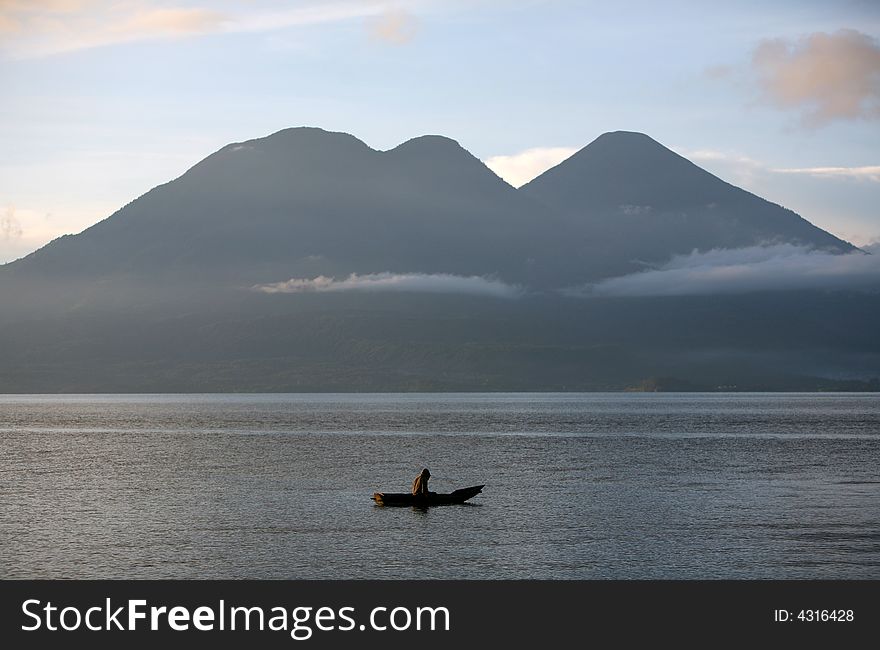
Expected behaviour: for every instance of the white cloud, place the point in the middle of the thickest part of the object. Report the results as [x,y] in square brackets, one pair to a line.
[51,6]
[759,268]
[870,173]
[732,167]
[170,21]
[409,282]
[54,26]
[629,209]
[314,14]
[48,27]
[742,168]
[826,77]
[519,168]
[712,155]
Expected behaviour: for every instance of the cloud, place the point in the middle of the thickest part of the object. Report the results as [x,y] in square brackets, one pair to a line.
[48,27]
[760,268]
[870,173]
[169,22]
[519,168]
[712,155]
[744,168]
[629,209]
[395,26]
[53,6]
[410,282]
[10,227]
[731,166]
[314,13]
[16,14]
[827,77]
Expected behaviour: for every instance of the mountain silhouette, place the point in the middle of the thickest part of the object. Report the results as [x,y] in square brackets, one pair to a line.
[305,202]
[160,295]
[632,199]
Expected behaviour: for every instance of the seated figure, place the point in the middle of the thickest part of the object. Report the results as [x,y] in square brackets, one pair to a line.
[420,485]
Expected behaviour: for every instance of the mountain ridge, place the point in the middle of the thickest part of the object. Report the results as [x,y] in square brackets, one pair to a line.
[620,198]
[628,180]
[160,296]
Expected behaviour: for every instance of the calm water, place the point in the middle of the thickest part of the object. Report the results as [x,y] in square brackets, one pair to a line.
[578,486]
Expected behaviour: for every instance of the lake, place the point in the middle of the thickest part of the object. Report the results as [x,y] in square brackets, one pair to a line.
[583,486]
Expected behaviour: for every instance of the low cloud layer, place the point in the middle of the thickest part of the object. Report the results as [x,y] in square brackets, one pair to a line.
[759,268]
[404,282]
[826,77]
[519,168]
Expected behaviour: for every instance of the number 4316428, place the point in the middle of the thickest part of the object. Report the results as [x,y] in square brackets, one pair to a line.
[814,615]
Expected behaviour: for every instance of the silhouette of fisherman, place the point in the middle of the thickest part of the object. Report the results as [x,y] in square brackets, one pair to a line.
[420,485]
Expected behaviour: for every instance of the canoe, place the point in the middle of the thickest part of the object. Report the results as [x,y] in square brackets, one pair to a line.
[432,499]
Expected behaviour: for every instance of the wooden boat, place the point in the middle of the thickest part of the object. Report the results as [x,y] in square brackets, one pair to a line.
[432,499]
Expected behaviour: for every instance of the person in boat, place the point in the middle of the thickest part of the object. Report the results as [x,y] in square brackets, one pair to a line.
[420,485]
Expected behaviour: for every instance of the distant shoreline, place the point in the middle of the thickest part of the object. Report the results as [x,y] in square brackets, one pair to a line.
[628,391]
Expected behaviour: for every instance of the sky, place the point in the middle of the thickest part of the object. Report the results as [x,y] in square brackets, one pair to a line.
[104,99]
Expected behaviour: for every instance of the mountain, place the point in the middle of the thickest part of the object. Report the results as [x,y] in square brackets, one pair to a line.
[634,200]
[305,202]
[160,295]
